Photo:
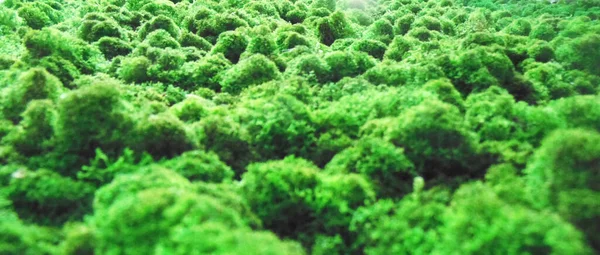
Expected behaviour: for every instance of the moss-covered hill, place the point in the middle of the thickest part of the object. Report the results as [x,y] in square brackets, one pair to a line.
[299,127]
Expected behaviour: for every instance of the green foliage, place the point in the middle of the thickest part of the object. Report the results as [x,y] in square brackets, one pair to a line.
[299,127]
[310,66]
[278,126]
[562,175]
[281,194]
[541,52]
[399,47]
[337,197]
[228,194]
[8,20]
[372,47]
[327,4]
[162,135]
[214,238]
[102,169]
[62,68]
[345,87]
[262,44]
[19,238]
[152,177]
[494,226]
[161,39]
[579,111]
[34,134]
[96,26]
[34,84]
[479,69]
[436,140]
[112,47]
[505,181]
[348,64]
[429,22]
[79,239]
[209,24]
[381,30]
[403,24]
[290,40]
[192,109]
[160,22]
[395,75]
[262,8]
[200,166]
[231,45]
[192,40]
[92,117]
[121,221]
[165,64]
[45,197]
[134,69]
[38,15]
[254,70]
[543,31]
[225,137]
[50,42]
[446,92]
[489,113]
[366,106]
[415,219]
[385,165]
[205,73]
[335,26]
[519,27]
[579,53]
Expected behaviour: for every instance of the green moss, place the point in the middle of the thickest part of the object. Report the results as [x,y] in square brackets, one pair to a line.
[125,221]
[92,30]
[513,228]
[436,140]
[45,197]
[579,53]
[385,166]
[374,48]
[192,109]
[348,64]
[38,15]
[478,69]
[200,166]
[416,216]
[205,73]
[161,136]
[34,133]
[335,26]
[112,47]
[159,22]
[54,43]
[134,69]
[399,47]
[192,40]
[18,237]
[231,45]
[268,124]
[291,181]
[34,84]
[254,70]
[381,30]
[292,126]
[92,117]
[227,138]
[161,39]
[519,27]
